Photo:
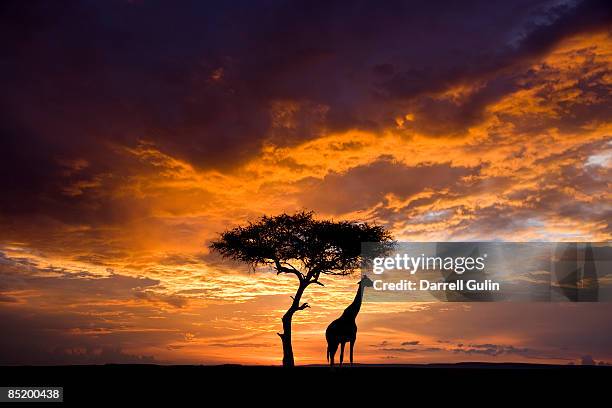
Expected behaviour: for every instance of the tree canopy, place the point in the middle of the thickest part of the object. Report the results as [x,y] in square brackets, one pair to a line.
[301,245]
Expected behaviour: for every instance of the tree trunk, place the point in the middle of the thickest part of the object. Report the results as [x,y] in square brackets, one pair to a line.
[286,339]
[285,336]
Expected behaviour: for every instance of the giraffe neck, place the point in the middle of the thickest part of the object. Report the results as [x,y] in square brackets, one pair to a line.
[353,309]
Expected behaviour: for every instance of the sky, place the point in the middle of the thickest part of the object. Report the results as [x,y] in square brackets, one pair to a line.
[133,132]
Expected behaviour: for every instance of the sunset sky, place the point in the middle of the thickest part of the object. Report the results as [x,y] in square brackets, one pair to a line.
[133,132]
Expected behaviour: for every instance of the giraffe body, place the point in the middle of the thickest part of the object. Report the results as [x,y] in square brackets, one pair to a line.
[344,329]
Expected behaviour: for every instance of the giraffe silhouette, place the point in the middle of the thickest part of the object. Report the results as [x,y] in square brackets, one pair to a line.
[344,328]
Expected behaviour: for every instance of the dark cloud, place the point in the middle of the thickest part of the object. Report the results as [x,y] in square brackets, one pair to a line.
[364,186]
[413,350]
[59,316]
[52,338]
[491,349]
[8,299]
[556,330]
[553,196]
[238,345]
[203,82]
[154,297]
[447,117]
[382,344]
[587,360]
[15,276]
[76,355]
[573,173]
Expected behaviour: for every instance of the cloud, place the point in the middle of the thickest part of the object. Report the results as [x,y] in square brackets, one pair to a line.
[151,296]
[365,186]
[7,298]
[587,360]
[239,345]
[544,331]
[82,285]
[490,349]
[33,339]
[414,350]
[214,94]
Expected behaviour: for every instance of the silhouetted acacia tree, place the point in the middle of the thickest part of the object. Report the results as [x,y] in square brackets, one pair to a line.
[300,245]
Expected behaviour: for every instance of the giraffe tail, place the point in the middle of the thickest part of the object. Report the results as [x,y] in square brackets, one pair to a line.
[327,355]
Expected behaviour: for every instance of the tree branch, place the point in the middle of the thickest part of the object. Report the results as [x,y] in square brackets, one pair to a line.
[296,271]
[303,306]
[316,281]
[283,269]
[313,277]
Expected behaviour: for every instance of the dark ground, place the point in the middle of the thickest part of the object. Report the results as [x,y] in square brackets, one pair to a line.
[200,385]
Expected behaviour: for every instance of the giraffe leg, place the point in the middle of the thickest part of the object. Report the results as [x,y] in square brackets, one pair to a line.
[342,353]
[351,350]
[332,348]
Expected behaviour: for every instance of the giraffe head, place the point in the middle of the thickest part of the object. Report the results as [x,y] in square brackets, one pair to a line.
[366,282]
